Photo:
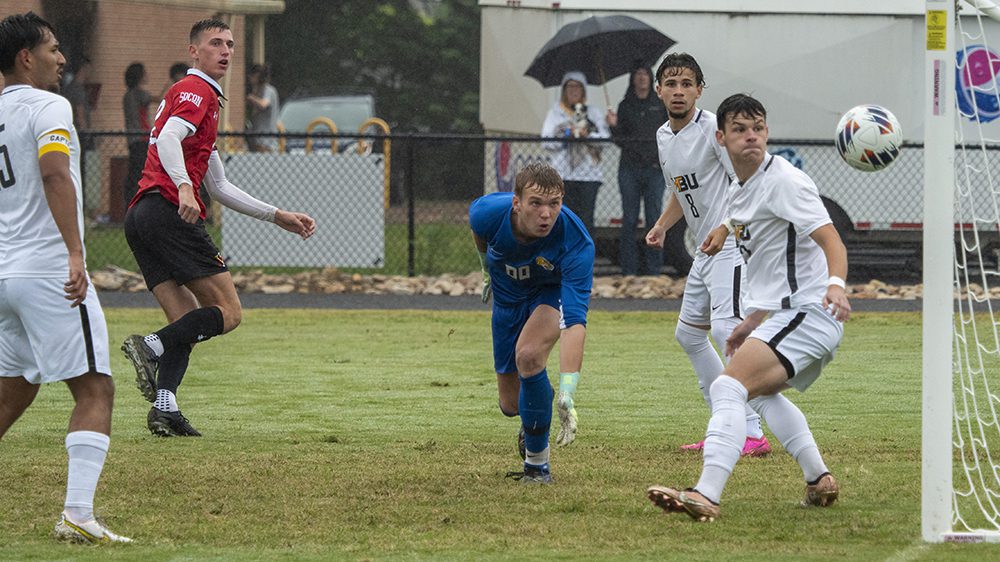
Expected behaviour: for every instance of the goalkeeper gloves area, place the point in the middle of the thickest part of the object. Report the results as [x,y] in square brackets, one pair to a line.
[487,285]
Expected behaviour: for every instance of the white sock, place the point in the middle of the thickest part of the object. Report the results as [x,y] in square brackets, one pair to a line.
[87,450]
[537,459]
[705,360]
[165,401]
[791,428]
[754,429]
[154,343]
[721,328]
[725,436]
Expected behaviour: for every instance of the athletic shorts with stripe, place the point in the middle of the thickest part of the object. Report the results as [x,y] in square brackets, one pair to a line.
[712,289]
[804,339]
[167,248]
[43,339]
[508,321]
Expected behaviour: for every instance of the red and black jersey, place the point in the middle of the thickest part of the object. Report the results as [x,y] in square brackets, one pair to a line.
[194,101]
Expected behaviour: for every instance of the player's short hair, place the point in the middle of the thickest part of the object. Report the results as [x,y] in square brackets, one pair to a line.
[205,25]
[737,105]
[20,31]
[134,74]
[674,63]
[544,176]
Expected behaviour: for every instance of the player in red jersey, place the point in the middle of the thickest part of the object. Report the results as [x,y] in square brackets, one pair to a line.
[166,231]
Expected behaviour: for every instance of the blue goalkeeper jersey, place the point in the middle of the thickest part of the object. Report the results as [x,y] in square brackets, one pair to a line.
[518,272]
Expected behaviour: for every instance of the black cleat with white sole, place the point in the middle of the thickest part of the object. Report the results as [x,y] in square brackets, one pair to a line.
[145,363]
[169,424]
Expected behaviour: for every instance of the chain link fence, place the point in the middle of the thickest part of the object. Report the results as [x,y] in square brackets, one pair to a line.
[398,204]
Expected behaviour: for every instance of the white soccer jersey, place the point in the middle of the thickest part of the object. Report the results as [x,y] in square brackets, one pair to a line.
[773,214]
[33,122]
[699,170]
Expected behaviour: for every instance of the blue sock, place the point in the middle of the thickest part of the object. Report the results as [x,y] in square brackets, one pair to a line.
[535,406]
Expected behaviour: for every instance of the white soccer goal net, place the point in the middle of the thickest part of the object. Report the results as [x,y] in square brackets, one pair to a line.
[961,426]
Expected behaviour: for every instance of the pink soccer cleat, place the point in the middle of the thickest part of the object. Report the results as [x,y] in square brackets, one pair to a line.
[752,448]
[694,446]
[756,447]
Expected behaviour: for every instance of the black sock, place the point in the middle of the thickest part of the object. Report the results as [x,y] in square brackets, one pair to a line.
[172,366]
[195,326]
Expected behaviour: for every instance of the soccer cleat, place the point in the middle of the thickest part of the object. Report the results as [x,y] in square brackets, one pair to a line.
[169,424]
[521,447]
[823,493]
[671,500]
[752,448]
[694,446]
[145,363]
[532,475]
[756,447]
[567,419]
[91,532]
[665,498]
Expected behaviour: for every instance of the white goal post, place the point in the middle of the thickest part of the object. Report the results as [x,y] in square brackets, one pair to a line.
[960,455]
[939,170]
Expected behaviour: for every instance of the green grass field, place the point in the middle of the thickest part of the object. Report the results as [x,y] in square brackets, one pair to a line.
[375,435]
[437,248]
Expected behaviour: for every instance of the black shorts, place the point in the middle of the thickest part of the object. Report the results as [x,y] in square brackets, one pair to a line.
[166,247]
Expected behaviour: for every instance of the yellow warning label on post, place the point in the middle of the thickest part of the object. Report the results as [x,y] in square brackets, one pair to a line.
[937,30]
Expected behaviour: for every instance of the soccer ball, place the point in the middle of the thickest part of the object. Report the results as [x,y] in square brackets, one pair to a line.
[868,137]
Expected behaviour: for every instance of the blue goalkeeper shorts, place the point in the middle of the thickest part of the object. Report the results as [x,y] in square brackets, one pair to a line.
[508,322]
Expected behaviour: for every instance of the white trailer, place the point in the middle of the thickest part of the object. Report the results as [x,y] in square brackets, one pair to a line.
[808,61]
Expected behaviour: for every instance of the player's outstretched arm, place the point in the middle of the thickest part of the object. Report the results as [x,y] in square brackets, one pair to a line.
[61,197]
[223,191]
[715,240]
[571,341]
[668,218]
[168,145]
[827,238]
[743,330]
[487,281]
[299,223]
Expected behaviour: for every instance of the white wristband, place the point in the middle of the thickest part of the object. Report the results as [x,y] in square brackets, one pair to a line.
[728,223]
[834,280]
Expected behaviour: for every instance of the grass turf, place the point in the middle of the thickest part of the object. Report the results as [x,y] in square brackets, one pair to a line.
[375,435]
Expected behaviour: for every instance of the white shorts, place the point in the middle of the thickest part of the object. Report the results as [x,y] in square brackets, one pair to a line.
[804,339]
[713,288]
[44,340]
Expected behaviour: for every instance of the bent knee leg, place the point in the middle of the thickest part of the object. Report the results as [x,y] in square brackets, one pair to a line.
[530,360]
[231,318]
[691,338]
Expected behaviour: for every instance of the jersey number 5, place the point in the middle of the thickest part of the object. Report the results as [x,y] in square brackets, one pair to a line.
[6,172]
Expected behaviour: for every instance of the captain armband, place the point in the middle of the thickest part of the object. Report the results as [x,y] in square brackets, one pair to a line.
[54,141]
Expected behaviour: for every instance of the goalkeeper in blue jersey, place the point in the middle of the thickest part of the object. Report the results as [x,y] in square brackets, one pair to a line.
[538,262]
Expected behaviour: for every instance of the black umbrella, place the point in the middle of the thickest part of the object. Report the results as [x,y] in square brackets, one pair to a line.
[601,47]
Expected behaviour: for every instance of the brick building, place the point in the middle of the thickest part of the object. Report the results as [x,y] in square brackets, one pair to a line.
[115,33]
